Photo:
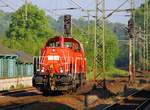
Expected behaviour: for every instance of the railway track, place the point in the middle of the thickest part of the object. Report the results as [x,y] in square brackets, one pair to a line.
[20,98]
[17,91]
[23,98]
[136,101]
[19,106]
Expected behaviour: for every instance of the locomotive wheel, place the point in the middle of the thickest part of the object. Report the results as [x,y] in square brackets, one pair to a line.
[84,79]
[69,91]
[81,80]
[75,89]
[74,86]
[45,92]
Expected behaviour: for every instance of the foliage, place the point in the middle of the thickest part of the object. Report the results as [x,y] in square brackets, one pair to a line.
[143,62]
[112,48]
[119,29]
[22,26]
[22,33]
[147,75]
[4,23]
[110,73]
[139,20]
[88,43]
[139,16]
[59,24]
[122,59]
[28,45]
[38,27]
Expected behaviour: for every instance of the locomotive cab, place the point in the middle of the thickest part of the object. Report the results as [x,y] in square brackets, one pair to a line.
[61,66]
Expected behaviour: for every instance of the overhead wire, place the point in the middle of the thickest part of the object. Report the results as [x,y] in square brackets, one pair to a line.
[82,9]
[117,9]
[74,24]
[10,2]
[8,5]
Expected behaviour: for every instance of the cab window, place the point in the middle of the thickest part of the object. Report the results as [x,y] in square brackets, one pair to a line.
[54,44]
[77,48]
[68,44]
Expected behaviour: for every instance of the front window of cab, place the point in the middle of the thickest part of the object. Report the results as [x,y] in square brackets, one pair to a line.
[53,44]
[68,44]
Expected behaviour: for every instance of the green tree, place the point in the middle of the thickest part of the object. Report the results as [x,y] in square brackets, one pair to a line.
[36,23]
[139,20]
[4,23]
[111,41]
[33,30]
[112,48]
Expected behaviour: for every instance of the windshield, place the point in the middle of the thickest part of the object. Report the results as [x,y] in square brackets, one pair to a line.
[53,44]
[68,44]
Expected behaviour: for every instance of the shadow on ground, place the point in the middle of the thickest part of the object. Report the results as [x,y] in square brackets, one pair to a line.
[38,106]
[22,94]
[99,107]
[25,93]
[52,93]
[129,91]
[100,91]
[142,94]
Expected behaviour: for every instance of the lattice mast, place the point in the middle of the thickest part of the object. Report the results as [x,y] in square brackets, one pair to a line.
[132,42]
[146,36]
[99,45]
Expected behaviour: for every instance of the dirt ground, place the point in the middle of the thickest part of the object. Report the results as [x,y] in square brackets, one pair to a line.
[88,97]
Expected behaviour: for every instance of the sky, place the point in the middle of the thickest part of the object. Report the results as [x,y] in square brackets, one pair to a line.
[50,5]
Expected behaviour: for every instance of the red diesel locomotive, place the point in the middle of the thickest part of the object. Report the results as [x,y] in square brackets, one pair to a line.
[61,66]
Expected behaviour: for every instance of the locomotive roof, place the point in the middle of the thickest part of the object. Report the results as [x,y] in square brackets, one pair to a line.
[66,38]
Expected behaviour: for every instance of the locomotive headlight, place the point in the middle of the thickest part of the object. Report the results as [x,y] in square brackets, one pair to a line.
[42,70]
[53,50]
[61,69]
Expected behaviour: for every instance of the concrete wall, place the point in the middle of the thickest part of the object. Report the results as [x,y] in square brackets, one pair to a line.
[6,84]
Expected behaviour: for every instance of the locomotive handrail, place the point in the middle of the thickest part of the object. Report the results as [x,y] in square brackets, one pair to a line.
[60,68]
[65,63]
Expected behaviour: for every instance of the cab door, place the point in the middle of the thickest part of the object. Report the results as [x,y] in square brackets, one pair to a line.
[78,58]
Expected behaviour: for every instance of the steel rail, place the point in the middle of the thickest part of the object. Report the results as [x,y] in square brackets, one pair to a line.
[137,103]
[18,106]
[16,91]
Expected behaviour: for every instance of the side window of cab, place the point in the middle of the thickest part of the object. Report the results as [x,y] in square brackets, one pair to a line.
[77,48]
[68,44]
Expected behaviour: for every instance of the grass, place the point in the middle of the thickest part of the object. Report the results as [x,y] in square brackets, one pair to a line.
[116,72]
[109,73]
[51,100]
[147,75]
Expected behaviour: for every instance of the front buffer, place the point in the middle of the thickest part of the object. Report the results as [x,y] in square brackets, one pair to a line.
[54,82]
